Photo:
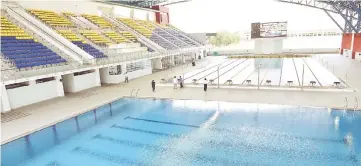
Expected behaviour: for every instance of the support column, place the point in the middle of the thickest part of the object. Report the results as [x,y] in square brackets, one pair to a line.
[356,46]
[59,86]
[157,63]
[5,104]
[345,49]
[97,77]
[172,63]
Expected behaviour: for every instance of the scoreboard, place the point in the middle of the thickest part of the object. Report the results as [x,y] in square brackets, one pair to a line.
[268,30]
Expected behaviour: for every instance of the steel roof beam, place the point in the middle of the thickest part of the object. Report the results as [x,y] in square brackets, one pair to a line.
[338,25]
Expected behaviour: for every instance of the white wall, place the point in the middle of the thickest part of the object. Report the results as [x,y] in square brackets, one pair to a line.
[140,73]
[120,11]
[157,63]
[81,82]
[5,105]
[358,56]
[35,93]
[114,79]
[347,53]
[140,14]
[268,46]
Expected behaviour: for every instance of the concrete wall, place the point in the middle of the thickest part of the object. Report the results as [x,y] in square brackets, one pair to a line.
[81,82]
[358,56]
[105,77]
[36,92]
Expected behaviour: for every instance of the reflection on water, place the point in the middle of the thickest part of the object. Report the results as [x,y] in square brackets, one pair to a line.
[184,132]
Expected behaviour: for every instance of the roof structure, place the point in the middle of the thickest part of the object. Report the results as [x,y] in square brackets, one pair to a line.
[147,3]
[349,10]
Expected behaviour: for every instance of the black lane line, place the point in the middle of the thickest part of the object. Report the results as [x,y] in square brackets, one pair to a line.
[298,77]
[229,69]
[236,131]
[255,70]
[219,69]
[194,156]
[312,72]
[235,75]
[207,69]
[106,156]
[147,131]
[235,146]
[169,123]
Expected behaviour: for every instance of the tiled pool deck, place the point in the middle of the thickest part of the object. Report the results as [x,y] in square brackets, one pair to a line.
[50,112]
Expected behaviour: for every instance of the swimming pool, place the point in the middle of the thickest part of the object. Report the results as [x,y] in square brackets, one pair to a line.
[282,72]
[188,132]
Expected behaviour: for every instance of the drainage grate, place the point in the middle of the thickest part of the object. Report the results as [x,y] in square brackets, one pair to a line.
[7,117]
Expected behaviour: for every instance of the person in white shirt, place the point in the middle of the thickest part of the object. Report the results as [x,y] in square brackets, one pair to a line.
[126,77]
[175,82]
[205,82]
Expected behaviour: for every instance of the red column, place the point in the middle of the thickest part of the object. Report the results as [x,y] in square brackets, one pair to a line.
[356,45]
[162,17]
[346,42]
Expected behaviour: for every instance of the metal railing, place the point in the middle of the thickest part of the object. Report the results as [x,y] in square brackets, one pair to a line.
[346,104]
[131,93]
[356,104]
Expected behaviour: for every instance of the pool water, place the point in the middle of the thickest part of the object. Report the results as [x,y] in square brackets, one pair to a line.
[265,72]
[188,132]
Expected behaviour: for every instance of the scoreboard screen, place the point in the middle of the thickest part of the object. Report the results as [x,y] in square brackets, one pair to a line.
[269,30]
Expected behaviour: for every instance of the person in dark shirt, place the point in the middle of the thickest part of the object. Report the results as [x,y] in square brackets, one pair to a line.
[153,85]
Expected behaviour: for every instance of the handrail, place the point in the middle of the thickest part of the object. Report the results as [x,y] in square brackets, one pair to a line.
[136,94]
[346,103]
[356,104]
[131,93]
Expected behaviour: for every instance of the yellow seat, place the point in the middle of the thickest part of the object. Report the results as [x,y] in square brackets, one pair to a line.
[51,18]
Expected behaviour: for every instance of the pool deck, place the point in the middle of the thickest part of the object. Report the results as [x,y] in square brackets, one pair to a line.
[48,113]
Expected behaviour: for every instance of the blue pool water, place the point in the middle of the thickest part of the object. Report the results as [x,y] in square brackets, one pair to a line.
[185,132]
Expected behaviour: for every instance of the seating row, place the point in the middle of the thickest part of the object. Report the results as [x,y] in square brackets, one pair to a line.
[22,50]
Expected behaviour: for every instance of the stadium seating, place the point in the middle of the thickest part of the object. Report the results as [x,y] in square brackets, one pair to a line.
[21,49]
[51,18]
[99,21]
[162,33]
[173,29]
[147,33]
[115,37]
[129,36]
[95,37]
[70,35]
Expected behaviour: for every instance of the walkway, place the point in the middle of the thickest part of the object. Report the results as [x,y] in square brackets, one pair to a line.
[50,112]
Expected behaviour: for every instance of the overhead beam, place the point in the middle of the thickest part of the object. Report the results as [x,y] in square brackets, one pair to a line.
[347,20]
[338,25]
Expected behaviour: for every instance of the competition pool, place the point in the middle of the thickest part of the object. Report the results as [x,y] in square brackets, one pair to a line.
[188,132]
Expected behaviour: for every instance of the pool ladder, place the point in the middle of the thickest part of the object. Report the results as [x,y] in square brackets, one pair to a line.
[136,94]
[356,104]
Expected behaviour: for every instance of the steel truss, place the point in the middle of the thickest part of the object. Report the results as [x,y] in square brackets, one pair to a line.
[349,10]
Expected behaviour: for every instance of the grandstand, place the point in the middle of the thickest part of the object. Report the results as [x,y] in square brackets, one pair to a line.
[78,40]
[21,50]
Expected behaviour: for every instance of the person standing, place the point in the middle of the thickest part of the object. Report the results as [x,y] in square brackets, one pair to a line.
[181,81]
[205,84]
[175,81]
[153,85]
[126,77]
